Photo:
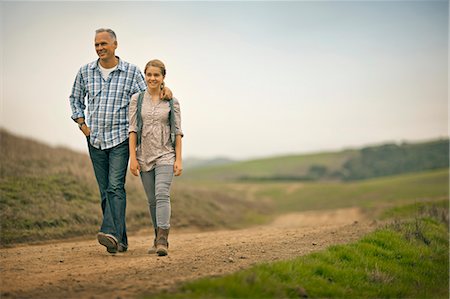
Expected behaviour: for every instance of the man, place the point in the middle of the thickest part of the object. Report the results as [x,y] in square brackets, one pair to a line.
[108,84]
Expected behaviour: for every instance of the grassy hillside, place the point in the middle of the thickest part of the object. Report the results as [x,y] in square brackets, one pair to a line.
[48,193]
[347,165]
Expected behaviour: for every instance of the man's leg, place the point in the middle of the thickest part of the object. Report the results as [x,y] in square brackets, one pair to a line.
[118,164]
[100,163]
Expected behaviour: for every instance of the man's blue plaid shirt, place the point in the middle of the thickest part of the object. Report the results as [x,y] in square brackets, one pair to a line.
[107,101]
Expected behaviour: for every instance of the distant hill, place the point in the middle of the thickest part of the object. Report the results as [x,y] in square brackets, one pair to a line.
[352,164]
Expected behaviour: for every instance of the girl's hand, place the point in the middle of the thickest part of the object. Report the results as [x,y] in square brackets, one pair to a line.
[177,168]
[134,166]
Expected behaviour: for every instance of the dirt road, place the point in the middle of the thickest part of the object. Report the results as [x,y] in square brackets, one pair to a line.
[83,269]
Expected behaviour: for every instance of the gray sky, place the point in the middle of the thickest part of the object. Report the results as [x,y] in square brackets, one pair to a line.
[254,79]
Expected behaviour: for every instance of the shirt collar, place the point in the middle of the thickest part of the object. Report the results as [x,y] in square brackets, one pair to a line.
[120,65]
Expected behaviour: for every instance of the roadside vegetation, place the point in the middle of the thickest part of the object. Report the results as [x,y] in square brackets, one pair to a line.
[408,258]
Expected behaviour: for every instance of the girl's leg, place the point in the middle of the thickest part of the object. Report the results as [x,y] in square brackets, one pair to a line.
[148,181]
[163,180]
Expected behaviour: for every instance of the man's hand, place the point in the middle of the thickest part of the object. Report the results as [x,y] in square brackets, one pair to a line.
[86,131]
[166,94]
[177,168]
[134,166]
[84,128]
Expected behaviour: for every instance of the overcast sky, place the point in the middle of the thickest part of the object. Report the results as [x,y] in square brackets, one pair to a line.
[253,79]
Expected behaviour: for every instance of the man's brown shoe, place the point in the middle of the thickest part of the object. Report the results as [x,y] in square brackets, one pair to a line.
[109,241]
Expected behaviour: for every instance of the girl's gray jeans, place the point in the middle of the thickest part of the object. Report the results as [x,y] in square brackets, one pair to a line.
[157,187]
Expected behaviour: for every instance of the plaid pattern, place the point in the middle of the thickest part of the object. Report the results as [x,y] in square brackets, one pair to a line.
[107,101]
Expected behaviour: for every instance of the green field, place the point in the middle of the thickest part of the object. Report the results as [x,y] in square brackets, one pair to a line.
[370,195]
[367,194]
[406,259]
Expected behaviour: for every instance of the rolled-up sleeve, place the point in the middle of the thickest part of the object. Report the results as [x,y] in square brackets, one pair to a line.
[177,114]
[132,112]
[77,97]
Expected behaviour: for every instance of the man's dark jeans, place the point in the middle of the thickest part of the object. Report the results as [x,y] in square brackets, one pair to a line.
[110,167]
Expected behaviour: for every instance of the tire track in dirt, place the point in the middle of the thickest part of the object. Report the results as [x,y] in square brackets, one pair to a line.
[83,269]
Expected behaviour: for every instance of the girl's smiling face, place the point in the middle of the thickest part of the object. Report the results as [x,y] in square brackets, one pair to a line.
[153,77]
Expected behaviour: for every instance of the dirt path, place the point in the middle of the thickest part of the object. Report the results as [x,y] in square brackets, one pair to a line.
[83,269]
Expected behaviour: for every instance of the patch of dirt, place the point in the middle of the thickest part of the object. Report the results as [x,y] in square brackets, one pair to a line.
[83,269]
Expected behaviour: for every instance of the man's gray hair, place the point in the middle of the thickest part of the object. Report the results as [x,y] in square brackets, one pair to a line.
[111,33]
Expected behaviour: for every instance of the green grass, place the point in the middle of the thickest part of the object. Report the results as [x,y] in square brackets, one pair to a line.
[437,210]
[406,259]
